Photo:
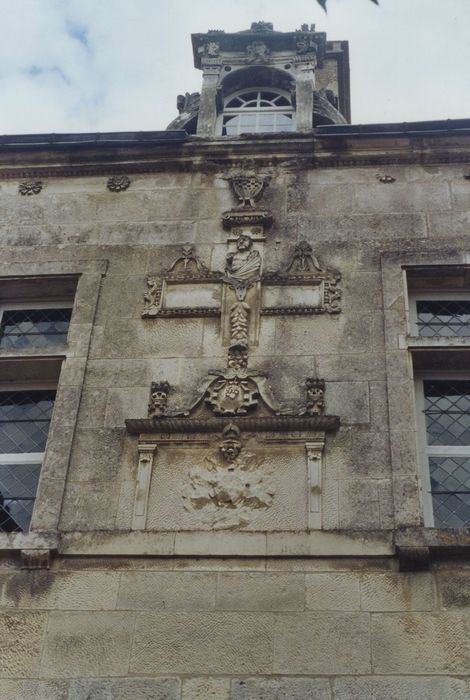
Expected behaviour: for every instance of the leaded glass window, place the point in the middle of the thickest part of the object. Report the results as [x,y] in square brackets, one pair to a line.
[443,317]
[258,111]
[34,328]
[447,420]
[25,418]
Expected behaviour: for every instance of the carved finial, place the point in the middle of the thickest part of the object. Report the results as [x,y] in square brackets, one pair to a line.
[118,183]
[158,399]
[303,259]
[249,188]
[30,187]
[231,445]
[261,27]
[315,399]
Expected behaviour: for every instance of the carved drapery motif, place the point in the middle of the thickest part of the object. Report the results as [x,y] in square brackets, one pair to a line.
[118,183]
[30,187]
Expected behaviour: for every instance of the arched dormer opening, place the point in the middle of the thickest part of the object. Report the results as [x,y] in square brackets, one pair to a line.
[255,111]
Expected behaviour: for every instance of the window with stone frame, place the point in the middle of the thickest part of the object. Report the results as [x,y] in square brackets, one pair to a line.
[35,314]
[439,326]
[257,110]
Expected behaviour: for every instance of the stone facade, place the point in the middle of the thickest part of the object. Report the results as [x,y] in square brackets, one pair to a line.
[229,504]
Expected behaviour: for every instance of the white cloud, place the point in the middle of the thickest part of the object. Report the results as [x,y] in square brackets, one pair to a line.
[104,65]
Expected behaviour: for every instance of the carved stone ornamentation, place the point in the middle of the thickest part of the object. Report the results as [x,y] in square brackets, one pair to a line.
[386,179]
[35,558]
[249,188]
[243,267]
[30,187]
[187,264]
[232,394]
[118,183]
[152,298]
[333,293]
[188,103]
[237,357]
[227,489]
[315,399]
[158,399]
[303,259]
[257,52]
[261,27]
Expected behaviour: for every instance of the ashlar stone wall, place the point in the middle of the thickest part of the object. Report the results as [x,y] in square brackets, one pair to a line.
[262,629]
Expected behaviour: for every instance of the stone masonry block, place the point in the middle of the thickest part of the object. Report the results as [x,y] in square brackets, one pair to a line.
[80,644]
[126,689]
[454,588]
[281,689]
[260,591]
[331,591]
[359,505]
[395,592]
[401,688]
[34,690]
[350,400]
[206,689]
[322,643]
[432,643]
[403,197]
[21,636]
[74,590]
[203,643]
[166,591]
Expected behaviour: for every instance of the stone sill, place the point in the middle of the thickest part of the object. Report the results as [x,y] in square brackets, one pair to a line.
[417,342]
[436,538]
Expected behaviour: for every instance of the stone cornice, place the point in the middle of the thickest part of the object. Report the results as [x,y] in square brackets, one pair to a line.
[195,154]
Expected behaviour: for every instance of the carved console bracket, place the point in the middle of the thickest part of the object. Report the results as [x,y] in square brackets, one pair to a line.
[35,558]
[413,558]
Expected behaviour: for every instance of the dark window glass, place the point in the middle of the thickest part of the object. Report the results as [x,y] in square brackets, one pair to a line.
[18,485]
[36,328]
[447,411]
[25,417]
[443,317]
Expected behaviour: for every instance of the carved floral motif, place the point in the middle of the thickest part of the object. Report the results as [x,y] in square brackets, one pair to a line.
[30,187]
[232,394]
[118,183]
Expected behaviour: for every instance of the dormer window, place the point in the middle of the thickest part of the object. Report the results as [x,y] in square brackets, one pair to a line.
[257,111]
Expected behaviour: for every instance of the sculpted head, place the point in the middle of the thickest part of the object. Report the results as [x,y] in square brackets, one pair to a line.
[244,242]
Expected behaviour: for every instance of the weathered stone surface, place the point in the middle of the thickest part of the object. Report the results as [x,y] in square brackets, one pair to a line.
[281,689]
[395,592]
[206,689]
[454,588]
[126,689]
[401,688]
[78,590]
[21,638]
[203,643]
[306,643]
[432,643]
[166,591]
[260,592]
[332,591]
[87,645]
[34,690]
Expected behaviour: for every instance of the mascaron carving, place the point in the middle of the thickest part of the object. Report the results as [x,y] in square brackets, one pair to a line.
[30,187]
[118,183]
[158,399]
[228,488]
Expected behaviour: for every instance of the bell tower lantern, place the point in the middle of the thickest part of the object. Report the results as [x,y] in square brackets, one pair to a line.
[264,81]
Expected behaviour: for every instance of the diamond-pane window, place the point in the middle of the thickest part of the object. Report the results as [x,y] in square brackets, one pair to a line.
[443,317]
[25,418]
[34,328]
[447,419]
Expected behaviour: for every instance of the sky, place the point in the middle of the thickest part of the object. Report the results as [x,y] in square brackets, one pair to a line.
[117,65]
